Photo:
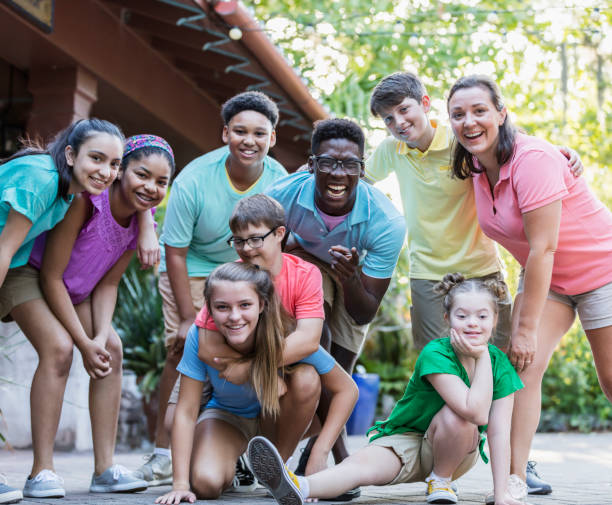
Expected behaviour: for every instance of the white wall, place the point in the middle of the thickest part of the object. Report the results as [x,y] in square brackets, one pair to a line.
[18,361]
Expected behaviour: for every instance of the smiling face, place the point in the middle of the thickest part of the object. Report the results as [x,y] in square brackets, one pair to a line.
[235,309]
[269,256]
[96,164]
[250,136]
[475,122]
[473,316]
[335,192]
[407,122]
[144,181]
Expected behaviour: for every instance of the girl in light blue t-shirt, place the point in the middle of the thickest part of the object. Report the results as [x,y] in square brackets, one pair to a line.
[241,299]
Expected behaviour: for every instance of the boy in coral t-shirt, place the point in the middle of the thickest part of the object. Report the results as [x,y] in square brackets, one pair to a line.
[258,229]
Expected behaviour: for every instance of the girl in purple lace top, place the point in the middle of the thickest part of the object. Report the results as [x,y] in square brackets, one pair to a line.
[81,262]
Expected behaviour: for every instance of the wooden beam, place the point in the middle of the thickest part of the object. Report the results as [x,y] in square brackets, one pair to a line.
[116,54]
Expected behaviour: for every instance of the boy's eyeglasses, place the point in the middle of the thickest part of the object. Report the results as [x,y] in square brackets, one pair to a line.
[253,242]
[326,164]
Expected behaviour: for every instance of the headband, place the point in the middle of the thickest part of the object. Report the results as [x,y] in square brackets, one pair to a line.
[140,141]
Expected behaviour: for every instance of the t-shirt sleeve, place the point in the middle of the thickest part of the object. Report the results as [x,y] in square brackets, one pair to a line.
[538,178]
[24,201]
[309,303]
[321,360]
[190,365]
[505,379]
[378,165]
[436,359]
[204,320]
[384,249]
[181,215]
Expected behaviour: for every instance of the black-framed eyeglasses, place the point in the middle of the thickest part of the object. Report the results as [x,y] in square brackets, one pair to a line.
[252,242]
[327,164]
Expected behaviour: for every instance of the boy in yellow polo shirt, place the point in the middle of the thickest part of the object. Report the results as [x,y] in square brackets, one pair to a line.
[442,228]
[440,212]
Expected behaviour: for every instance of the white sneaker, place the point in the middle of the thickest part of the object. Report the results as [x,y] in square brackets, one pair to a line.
[47,484]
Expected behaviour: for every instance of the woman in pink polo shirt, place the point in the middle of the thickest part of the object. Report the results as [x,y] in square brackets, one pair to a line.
[560,233]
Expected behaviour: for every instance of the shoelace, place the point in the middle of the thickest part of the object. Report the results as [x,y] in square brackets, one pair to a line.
[531,468]
[47,475]
[442,485]
[118,471]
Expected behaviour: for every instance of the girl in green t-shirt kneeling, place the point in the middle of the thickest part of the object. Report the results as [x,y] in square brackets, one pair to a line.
[434,434]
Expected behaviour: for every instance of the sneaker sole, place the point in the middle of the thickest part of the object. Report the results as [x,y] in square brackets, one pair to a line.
[47,493]
[432,498]
[124,488]
[11,497]
[269,470]
[159,482]
[539,490]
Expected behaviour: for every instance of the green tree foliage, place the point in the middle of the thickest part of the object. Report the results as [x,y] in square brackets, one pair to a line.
[553,61]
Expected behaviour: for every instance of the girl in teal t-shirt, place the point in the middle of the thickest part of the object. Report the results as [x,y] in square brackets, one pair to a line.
[460,384]
[37,185]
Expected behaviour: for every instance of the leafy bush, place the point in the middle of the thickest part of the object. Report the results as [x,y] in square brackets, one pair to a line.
[140,323]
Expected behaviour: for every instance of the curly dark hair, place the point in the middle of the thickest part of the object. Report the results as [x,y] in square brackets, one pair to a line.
[391,90]
[329,129]
[250,100]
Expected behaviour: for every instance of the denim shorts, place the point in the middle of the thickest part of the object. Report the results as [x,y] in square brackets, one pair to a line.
[594,307]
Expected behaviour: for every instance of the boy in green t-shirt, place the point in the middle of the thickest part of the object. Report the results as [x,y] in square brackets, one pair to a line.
[460,385]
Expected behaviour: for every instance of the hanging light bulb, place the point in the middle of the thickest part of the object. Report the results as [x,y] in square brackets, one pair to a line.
[235,33]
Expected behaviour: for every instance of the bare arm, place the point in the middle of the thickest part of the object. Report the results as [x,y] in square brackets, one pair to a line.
[362,293]
[542,230]
[148,244]
[12,236]
[344,394]
[498,433]
[215,352]
[104,298]
[183,430]
[58,249]
[176,264]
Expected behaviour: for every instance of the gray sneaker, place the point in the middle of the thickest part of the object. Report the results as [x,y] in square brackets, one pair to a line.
[47,484]
[9,494]
[116,479]
[157,471]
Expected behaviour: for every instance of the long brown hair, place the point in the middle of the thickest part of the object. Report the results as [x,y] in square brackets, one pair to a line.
[463,162]
[274,323]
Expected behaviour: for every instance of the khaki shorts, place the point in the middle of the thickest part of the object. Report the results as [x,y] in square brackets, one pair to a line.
[593,307]
[248,426]
[416,453]
[206,392]
[21,285]
[344,330]
[172,318]
[427,314]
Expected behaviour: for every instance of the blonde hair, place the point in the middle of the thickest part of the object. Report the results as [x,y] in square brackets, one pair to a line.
[454,284]
[274,323]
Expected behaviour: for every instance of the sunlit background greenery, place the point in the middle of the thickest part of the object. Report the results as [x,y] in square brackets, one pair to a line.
[553,61]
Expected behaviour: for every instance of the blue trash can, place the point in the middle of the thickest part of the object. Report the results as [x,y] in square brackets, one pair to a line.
[362,417]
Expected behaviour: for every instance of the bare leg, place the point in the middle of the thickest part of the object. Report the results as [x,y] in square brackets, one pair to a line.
[104,396]
[371,466]
[166,383]
[54,347]
[216,447]
[601,346]
[452,439]
[556,320]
